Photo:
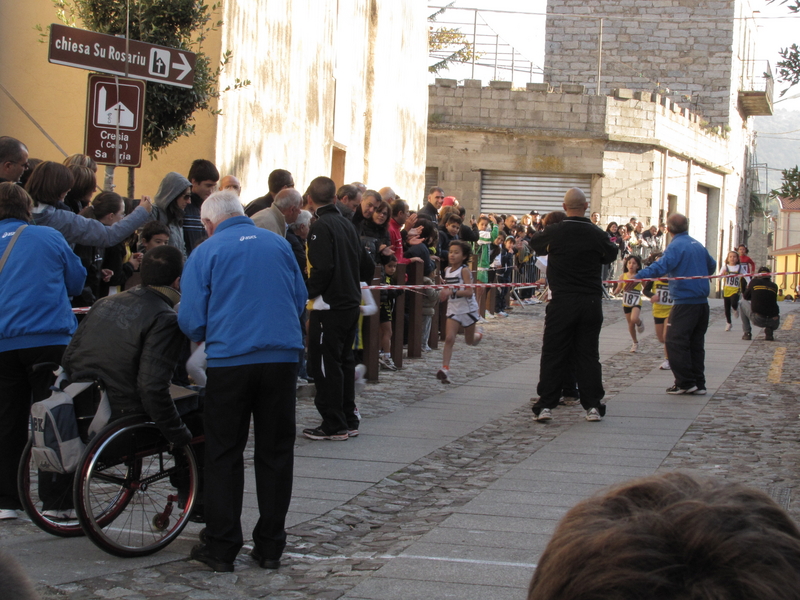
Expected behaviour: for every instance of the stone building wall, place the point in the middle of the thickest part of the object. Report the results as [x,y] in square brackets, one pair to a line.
[691,48]
[645,155]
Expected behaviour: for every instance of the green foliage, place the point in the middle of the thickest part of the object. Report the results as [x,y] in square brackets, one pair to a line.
[789,67]
[448,39]
[790,188]
[184,24]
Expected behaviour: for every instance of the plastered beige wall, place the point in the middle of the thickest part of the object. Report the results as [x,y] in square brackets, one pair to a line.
[352,76]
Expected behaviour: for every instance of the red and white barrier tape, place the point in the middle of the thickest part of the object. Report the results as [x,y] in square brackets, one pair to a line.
[466,286]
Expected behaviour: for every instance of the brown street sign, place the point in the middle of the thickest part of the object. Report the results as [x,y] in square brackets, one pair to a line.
[114,120]
[107,54]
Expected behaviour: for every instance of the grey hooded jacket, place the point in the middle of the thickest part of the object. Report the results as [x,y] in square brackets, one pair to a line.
[172,186]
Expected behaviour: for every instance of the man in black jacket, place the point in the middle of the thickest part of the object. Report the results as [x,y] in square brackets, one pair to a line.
[337,262]
[431,209]
[576,251]
[204,177]
[762,308]
[132,342]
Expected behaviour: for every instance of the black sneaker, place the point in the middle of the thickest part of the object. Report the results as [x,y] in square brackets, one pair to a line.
[318,434]
[200,553]
[676,390]
[747,336]
[265,563]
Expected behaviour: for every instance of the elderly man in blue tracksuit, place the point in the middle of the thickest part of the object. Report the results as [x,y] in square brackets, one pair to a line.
[688,320]
[242,292]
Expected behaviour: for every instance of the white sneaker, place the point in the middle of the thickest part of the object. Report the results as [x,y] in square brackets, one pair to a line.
[444,375]
[727,326]
[6,514]
[385,361]
[477,337]
[664,366]
[490,315]
[501,314]
[481,319]
[593,415]
[635,347]
[543,416]
[640,326]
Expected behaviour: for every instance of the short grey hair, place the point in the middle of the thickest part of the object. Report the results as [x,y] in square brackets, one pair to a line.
[288,198]
[304,218]
[221,205]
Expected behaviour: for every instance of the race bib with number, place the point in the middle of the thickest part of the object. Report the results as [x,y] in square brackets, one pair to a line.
[663,297]
[631,298]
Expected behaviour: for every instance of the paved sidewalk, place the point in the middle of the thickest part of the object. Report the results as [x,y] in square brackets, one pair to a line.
[454,491]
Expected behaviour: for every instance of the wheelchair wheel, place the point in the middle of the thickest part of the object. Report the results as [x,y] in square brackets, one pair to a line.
[33,485]
[133,493]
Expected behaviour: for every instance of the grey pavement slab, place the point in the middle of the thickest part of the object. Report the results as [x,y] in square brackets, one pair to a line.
[501,524]
[480,539]
[418,567]
[62,560]
[354,470]
[371,447]
[402,589]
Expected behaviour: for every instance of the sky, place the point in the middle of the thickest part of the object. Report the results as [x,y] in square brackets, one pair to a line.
[777,27]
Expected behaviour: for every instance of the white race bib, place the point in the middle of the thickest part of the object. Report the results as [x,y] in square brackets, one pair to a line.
[631,298]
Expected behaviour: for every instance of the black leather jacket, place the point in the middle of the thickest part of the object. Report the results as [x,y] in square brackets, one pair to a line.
[132,341]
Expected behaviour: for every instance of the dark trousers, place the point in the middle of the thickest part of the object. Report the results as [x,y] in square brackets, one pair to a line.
[267,392]
[331,363]
[571,341]
[730,302]
[686,344]
[18,384]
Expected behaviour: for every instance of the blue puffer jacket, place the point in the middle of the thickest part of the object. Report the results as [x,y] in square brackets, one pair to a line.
[35,285]
[684,257]
[242,292]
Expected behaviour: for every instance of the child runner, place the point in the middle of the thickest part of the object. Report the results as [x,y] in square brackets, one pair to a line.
[658,292]
[733,271]
[385,314]
[462,308]
[632,298]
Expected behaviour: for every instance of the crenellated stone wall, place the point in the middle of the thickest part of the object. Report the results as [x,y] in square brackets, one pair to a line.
[645,155]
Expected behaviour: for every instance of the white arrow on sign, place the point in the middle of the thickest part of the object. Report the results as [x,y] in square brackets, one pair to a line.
[185,67]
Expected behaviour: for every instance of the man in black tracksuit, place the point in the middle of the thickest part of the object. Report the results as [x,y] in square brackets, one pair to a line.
[337,262]
[576,251]
[763,308]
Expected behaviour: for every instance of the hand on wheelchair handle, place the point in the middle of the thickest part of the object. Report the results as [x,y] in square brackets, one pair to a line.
[180,438]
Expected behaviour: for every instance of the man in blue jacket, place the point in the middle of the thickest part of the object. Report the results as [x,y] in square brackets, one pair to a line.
[688,321]
[242,292]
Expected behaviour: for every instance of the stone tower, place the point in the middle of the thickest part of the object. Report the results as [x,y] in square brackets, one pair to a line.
[699,54]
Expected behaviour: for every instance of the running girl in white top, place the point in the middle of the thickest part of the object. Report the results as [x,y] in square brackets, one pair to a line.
[462,308]
[733,272]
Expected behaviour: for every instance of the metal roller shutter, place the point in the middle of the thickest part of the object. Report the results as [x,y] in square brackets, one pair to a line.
[509,192]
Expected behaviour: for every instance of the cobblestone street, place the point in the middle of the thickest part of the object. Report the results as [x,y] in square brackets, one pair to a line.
[461,501]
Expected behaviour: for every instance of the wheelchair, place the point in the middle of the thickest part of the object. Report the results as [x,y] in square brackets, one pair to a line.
[132,493]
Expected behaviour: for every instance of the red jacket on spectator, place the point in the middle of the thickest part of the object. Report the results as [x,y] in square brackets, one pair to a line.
[397,241]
